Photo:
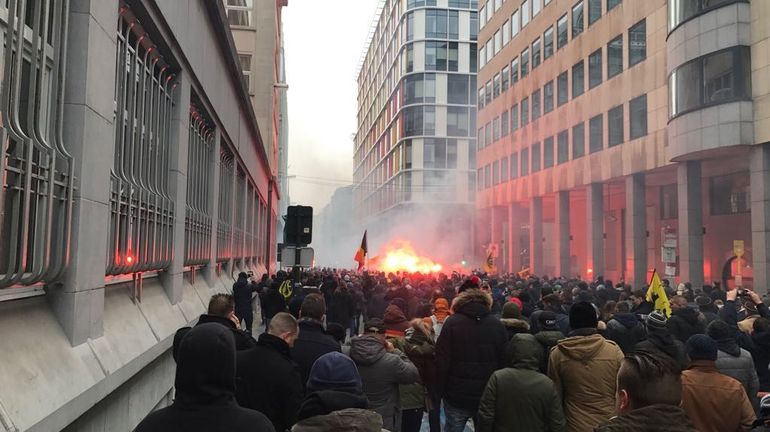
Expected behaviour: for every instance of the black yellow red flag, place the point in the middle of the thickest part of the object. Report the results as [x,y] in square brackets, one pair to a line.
[361,253]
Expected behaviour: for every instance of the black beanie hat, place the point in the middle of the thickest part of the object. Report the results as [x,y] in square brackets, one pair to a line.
[582,315]
[718,329]
[701,347]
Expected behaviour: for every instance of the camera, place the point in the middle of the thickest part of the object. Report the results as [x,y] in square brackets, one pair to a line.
[742,292]
[250,274]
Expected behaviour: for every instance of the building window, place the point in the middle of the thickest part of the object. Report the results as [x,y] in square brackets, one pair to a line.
[561,32]
[505,78]
[548,152]
[548,97]
[435,151]
[496,129]
[669,202]
[245,61]
[480,136]
[504,169]
[524,62]
[488,93]
[536,105]
[680,11]
[548,43]
[471,154]
[535,53]
[595,68]
[482,56]
[578,80]
[496,173]
[577,19]
[515,24]
[716,78]
[514,117]
[487,177]
[612,3]
[436,23]
[514,71]
[458,89]
[498,42]
[514,165]
[457,121]
[489,49]
[488,134]
[524,13]
[615,57]
[536,6]
[730,194]
[504,123]
[239,12]
[420,88]
[615,126]
[409,53]
[578,141]
[596,133]
[474,26]
[453,25]
[562,147]
[536,157]
[524,163]
[453,57]
[410,26]
[419,120]
[638,113]
[506,32]
[496,86]
[412,4]
[637,43]
[562,89]
[524,112]
[473,55]
[594,11]
[481,98]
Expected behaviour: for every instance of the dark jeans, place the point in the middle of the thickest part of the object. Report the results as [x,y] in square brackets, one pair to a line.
[434,413]
[248,317]
[456,418]
[411,420]
[353,326]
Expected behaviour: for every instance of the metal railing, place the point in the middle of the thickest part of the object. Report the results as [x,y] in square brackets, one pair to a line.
[199,169]
[36,170]
[142,212]
[225,216]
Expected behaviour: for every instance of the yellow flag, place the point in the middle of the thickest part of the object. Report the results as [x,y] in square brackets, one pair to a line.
[656,289]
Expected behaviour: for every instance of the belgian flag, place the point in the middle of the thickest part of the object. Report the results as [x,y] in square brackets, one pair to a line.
[361,253]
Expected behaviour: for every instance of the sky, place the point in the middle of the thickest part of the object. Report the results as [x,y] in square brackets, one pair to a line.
[323,42]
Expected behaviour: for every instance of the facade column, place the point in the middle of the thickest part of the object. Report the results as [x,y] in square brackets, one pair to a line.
[536,235]
[595,227]
[636,231]
[89,134]
[172,279]
[690,221]
[514,259]
[563,267]
[210,271]
[759,165]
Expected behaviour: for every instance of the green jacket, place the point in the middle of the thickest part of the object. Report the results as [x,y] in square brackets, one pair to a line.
[519,397]
[419,348]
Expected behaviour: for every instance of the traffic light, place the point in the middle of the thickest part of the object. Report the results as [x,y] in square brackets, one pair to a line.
[298,230]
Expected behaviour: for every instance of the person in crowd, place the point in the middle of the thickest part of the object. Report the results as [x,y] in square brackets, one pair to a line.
[733,360]
[548,336]
[382,368]
[418,397]
[707,308]
[221,310]
[551,303]
[268,380]
[377,304]
[242,293]
[312,342]
[625,328]
[512,320]
[395,321]
[660,340]
[519,397]
[584,367]
[754,308]
[648,396]
[440,314]
[713,401]
[205,388]
[684,321]
[341,305]
[608,310]
[335,400]
[641,305]
[471,347]
[273,302]
[761,353]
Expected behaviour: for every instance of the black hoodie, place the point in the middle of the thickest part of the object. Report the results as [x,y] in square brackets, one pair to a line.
[626,330]
[205,388]
[684,323]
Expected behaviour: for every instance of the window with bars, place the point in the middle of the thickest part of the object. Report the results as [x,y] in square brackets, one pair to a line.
[200,166]
[226,201]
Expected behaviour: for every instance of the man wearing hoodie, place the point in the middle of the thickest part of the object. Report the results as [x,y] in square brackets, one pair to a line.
[648,396]
[335,399]
[584,367]
[205,388]
[625,329]
[733,360]
[471,347]
[513,321]
[684,321]
[548,336]
[382,368]
[519,397]
[761,353]
[659,340]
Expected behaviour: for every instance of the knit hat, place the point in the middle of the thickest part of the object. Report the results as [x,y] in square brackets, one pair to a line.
[374,325]
[400,303]
[718,329]
[334,371]
[517,301]
[582,315]
[702,300]
[395,319]
[547,321]
[511,310]
[656,322]
[701,347]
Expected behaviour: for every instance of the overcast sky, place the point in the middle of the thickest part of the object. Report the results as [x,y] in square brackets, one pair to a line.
[323,42]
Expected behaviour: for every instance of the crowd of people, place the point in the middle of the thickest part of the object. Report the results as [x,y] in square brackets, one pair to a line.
[347,351]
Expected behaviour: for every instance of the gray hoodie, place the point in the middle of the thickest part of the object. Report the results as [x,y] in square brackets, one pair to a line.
[381,373]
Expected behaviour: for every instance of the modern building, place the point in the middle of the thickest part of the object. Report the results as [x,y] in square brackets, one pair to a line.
[414,167]
[618,136]
[257,30]
[134,183]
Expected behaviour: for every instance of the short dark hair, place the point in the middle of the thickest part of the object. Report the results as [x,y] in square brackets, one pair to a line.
[650,378]
[313,306]
[761,325]
[622,307]
[221,305]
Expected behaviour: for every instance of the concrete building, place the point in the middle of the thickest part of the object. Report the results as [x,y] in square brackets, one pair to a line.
[617,137]
[135,183]
[257,30]
[415,144]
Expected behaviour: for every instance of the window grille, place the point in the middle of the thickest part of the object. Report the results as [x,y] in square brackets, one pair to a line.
[225,219]
[200,160]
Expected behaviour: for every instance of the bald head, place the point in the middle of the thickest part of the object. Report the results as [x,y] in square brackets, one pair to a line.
[284,326]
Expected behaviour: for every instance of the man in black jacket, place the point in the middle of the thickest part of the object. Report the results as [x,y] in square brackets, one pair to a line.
[625,329]
[267,379]
[470,348]
[312,342]
[205,386]
[221,311]
[242,291]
